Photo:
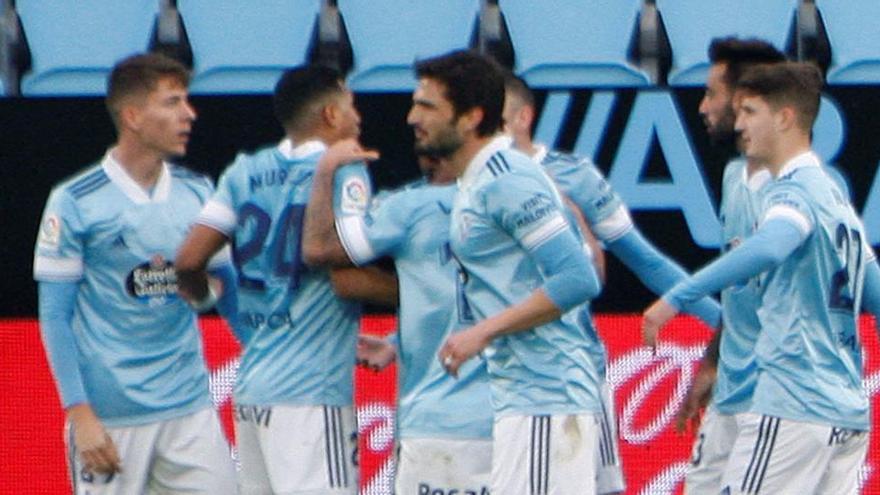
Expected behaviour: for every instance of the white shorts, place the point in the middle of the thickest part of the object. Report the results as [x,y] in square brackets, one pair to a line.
[181,455]
[710,453]
[542,455]
[609,478]
[302,450]
[439,465]
[785,457]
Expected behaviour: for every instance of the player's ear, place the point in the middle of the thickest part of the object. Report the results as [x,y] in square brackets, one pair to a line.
[130,115]
[786,118]
[470,120]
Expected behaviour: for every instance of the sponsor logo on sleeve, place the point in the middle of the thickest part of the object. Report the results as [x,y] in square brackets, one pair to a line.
[354,197]
[50,232]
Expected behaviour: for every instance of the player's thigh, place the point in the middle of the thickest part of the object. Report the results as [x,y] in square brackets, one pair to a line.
[310,450]
[711,450]
[539,455]
[842,475]
[192,456]
[779,456]
[134,444]
[609,477]
[435,465]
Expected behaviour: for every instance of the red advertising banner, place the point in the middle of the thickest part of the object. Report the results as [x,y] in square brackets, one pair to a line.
[648,390]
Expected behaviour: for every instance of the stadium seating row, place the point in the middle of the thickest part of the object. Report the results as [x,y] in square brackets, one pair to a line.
[241,46]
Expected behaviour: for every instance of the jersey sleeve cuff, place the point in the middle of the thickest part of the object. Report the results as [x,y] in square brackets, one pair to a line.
[218,216]
[47,269]
[353,236]
[546,231]
[613,227]
[792,216]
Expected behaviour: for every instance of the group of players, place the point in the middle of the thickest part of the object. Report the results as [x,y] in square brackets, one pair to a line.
[497,251]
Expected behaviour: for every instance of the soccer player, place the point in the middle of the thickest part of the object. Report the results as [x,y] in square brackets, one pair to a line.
[607,216]
[733,373]
[806,427]
[123,347]
[522,269]
[438,417]
[294,419]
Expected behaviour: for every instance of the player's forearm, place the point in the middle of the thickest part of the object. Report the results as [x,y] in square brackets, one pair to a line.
[767,248]
[320,242]
[368,284]
[536,310]
[711,354]
[659,273]
[56,305]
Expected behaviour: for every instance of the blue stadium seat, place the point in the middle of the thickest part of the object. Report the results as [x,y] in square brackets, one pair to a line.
[241,46]
[855,40]
[573,43]
[692,24]
[75,44]
[387,36]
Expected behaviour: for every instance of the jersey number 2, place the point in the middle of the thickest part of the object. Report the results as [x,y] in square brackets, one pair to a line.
[843,290]
[283,251]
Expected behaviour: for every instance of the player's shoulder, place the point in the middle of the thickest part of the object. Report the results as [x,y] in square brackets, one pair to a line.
[735,168]
[190,176]
[83,183]
[415,195]
[198,183]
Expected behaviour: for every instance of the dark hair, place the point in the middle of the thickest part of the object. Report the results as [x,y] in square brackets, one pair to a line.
[299,88]
[795,84]
[740,54]
[140,74]
[472,81]
[518,86]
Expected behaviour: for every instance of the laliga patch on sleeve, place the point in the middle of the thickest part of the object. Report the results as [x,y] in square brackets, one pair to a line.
[354,197]
[50,232]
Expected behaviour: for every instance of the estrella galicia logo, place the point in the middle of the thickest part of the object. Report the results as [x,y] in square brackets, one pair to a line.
[154,281]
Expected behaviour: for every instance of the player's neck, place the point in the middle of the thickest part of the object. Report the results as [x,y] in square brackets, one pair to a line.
[142,164]
[787,149]
[460,160]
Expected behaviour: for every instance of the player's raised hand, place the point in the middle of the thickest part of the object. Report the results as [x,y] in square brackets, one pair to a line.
[653,320]
[92,442]
[463,345]
[344,152]
[375,352]
[696,400]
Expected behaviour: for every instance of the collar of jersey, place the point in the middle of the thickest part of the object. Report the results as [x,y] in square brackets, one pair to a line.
[498,143]
[132,189]
[308,148]
[805,159]
[758,179]
[539,155]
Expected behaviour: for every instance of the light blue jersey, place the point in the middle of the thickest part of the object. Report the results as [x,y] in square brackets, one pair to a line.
[505,209]
[411,225]
[603,210]
[739,213]
[138,348]
[302,348]
[808,353]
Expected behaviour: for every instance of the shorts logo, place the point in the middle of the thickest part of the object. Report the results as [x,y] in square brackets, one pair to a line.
[426,489]
[354,197]
[50,232]
[154,281]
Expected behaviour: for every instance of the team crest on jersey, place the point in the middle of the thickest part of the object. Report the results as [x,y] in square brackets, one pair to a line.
[154,281]
[50,232]
[354,196]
